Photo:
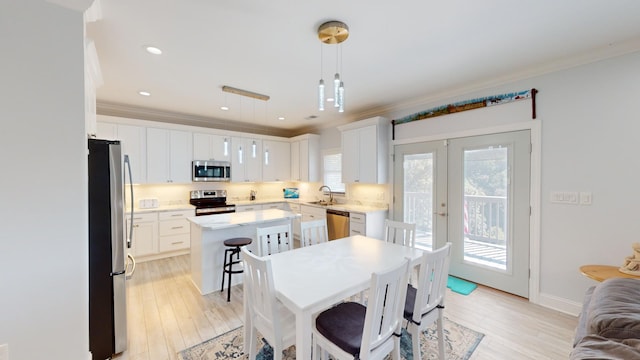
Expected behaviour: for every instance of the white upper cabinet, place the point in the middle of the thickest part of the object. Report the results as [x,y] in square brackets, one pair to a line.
[365,151]
[211,147]
[246,159]
[276,160]
[169,155]
[305,158]
[133,140]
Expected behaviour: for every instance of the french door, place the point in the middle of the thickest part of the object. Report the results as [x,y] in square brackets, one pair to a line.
[473,192]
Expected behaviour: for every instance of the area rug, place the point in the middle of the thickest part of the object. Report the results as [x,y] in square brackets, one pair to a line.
[460,342]
[460,286]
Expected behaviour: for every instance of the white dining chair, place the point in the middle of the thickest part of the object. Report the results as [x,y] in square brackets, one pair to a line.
[399,232]
[351,330]
[425,305]
[274,239]
[267,315]
[313,232]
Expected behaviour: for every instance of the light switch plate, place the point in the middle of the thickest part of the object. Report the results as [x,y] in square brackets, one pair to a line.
[4,352]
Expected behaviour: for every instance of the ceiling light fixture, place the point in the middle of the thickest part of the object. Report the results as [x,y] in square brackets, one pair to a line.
[153,50]
[144,93]
[332,33]
[246,93]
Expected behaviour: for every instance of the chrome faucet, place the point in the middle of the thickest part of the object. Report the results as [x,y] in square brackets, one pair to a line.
[330,193]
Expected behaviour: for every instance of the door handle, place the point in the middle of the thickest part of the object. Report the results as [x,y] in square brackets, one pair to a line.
[442,214]
[128,276]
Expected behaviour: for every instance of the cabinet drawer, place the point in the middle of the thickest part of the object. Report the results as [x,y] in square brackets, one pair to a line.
[174,242]
[357,217]
[143,217]
[357,228]
[180,214]
[294,208]
[174,227]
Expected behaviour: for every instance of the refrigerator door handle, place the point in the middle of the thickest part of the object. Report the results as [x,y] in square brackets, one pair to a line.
[130,238]
[133,267]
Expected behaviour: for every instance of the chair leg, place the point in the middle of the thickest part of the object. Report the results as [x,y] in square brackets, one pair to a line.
[277,351]
[253,344]
[440,335]
[224,267]
[414,330]
[395,353]
[230,270]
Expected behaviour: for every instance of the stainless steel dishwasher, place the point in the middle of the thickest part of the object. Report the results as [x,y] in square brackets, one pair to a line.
[337,224]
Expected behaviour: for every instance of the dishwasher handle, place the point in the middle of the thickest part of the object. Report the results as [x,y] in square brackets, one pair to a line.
[337,212]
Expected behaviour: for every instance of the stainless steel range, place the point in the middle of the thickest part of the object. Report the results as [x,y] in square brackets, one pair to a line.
[211,202]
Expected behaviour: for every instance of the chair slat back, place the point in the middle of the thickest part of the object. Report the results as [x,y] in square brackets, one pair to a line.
[399,232]
[313,232]
[274,239]
[385,307]
[432,281]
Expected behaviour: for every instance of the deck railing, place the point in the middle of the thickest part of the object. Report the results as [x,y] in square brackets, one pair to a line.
[485,216]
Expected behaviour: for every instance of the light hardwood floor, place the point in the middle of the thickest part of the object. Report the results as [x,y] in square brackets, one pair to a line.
[167,314]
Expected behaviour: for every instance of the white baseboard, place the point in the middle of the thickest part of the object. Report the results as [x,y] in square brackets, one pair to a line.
[90,356]
[560,304]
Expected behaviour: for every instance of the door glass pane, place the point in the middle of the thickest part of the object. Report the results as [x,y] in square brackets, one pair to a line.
[485,206]
[418,196]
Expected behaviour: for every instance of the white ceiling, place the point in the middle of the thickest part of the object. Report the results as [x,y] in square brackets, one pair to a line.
[398,53]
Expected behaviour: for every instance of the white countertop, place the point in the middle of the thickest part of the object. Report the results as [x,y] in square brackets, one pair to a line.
[341,207]
[161,208]
[223,221]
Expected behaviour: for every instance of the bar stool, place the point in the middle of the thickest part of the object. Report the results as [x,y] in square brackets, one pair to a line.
[233,248]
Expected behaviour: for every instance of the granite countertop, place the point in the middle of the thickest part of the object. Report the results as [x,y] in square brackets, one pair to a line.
[229,220]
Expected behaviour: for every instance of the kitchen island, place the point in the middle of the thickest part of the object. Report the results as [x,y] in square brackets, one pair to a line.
[208,234]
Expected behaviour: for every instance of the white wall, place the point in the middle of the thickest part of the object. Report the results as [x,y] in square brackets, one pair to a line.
[590,123]
[43,244]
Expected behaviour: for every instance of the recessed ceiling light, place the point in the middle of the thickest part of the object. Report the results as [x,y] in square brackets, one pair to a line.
[224,108]
[144,93]
[153,50]
[280,117]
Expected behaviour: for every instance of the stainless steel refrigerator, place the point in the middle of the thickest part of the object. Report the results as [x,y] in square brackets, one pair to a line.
[108,243]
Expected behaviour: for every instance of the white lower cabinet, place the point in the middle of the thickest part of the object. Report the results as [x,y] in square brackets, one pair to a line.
[295,208]
[174,230]
[312,213]
[160,234]
[369,224]
[145,234]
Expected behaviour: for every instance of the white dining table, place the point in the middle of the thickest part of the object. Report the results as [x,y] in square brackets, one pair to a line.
[310,279]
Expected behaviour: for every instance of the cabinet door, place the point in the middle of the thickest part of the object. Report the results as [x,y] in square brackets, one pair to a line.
[211,147]
[145,235]
[276,164]
[246,160]
[304,161]
[107,131]
[180,152]
[134,144]
[157,155]
[295,161]
[350,156]
[168,156]
[368,155]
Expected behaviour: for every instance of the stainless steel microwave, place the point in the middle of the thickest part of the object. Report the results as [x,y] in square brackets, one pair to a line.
[210,170]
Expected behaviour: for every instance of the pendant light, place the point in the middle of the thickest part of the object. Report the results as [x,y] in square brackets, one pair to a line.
[332,33]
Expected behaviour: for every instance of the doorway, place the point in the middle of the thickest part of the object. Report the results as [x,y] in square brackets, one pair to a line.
[474,192]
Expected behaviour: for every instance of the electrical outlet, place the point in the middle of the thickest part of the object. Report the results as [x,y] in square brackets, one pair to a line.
[585,198]
[4,352]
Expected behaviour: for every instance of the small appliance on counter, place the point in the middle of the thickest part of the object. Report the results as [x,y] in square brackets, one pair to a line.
[252,195]
[291,193]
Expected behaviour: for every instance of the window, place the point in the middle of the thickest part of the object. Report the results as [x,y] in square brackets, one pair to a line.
[332,170]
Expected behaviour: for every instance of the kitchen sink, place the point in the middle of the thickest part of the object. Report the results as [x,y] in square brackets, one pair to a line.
[321,203]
